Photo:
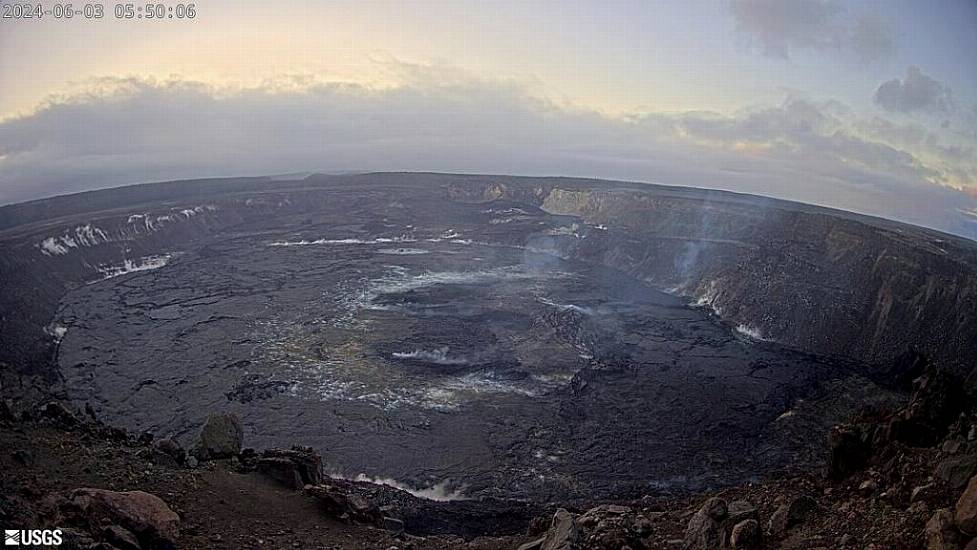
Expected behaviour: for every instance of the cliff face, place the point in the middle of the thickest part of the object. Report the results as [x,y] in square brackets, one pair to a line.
[824,281]
[821,280]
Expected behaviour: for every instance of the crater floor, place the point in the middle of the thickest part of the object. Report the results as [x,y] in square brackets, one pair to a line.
[452,351]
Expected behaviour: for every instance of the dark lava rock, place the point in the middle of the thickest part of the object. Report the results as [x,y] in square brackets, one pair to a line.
[344,504]
[745,535]
[705,531]
[849,449]
[392,524]
[563,533]
[965,514]
[295,467]
[254,387]
[902,370]
[7,411]
[332,498]
[611,526]
[121,538]
[363,509]
[939,532]
[956,471]
[595,515]
[76,539]
[59,413]
[538,525]
[938,398]
[171,448]
[220,437]
[23,457]
[793,513]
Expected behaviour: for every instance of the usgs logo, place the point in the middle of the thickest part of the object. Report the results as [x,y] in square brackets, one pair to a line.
[32,537]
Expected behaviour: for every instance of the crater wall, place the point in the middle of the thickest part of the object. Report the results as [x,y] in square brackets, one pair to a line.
[821,280]
[824,281]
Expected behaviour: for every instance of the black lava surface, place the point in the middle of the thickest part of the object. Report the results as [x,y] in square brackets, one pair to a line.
[420,347]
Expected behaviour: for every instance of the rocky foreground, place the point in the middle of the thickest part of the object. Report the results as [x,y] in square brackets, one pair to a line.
[894,479]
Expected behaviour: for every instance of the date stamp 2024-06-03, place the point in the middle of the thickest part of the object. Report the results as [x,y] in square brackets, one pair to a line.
[29,11]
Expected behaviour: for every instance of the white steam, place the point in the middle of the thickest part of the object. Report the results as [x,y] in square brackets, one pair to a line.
[438,492]
[438,356]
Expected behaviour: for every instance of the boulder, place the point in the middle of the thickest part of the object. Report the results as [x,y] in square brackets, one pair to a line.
[363,509]
[793,513]
[868,487]
[956,471]
[643,526]
[592,517]
[704,531]
[144,515]
[745,535]
[965,512]
[170,448]
[220,437]
[563,533]
[295,467]
[849,449]
[939,532]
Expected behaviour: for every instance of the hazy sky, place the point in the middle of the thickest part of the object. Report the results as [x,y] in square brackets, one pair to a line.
[869,106]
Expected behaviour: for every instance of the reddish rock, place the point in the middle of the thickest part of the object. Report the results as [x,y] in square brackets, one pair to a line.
[745,535]
[144,514]
[965,514]
[704,531]
[794,513]
[939,532]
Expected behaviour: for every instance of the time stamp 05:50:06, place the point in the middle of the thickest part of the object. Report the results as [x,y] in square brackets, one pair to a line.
[67,10]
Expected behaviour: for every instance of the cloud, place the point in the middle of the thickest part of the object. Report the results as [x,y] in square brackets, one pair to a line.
[783,27]
[134,130]
[916,92]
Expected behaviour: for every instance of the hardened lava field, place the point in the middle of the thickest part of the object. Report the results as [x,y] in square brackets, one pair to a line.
[454,348]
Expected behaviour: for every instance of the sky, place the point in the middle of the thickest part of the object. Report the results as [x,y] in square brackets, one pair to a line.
[869,106]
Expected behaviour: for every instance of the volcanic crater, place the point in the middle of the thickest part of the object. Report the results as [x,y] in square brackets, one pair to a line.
[482,336]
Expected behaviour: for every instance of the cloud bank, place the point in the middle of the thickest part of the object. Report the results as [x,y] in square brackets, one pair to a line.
[783,27]
[915,92]
[134,130]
